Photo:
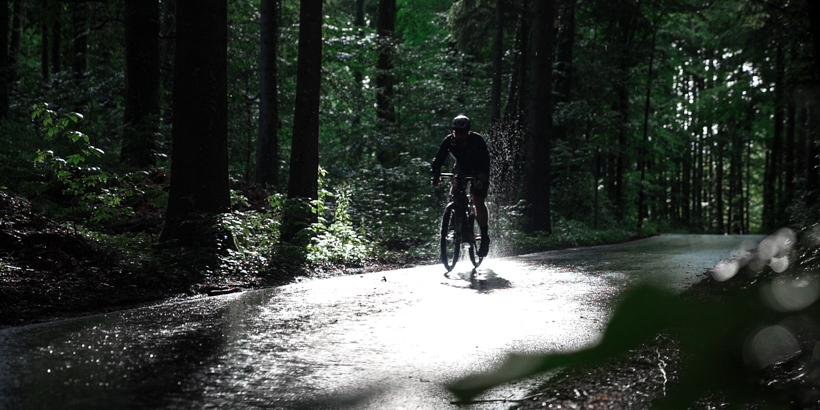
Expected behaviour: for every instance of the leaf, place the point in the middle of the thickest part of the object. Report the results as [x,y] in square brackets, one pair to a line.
[708,334]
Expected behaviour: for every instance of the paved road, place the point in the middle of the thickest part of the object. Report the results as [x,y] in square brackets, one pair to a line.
[373,341]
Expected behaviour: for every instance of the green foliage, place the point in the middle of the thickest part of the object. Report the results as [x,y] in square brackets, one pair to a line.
[397,207]
[339,241]
[416,20]
[255,234]
[567,233]
[86,183]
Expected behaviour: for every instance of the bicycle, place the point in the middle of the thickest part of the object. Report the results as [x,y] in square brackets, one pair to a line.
[458,225]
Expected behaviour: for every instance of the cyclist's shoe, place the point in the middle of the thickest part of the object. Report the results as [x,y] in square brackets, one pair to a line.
[484,247]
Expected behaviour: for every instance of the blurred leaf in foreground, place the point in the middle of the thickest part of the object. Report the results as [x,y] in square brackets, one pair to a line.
[723,345]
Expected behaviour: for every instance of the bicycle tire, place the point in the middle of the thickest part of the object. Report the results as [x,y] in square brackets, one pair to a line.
[450,238]
[474,243]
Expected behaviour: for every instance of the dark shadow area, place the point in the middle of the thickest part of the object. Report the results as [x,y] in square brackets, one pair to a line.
[480,279]
[113,367]
[350,400]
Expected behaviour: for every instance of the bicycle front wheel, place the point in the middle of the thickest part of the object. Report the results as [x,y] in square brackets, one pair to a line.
[450,238]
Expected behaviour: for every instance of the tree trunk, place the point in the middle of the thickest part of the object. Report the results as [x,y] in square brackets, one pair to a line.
[267,146]
[384,77]
[56,37]
[642,157]
[141,117]
[303,178]
[199,154]
[5,66]
[709,187]
[770,205]
[788,164]
[736,172]
[813,8]
[539,119]
[719,205]
[563,65]
[498,58]
[565,46]
[357,73]
[624,31]
[79,61]
[700,137]
[16,31]
[516,92]
[167,51]
[812,167]
[44,17]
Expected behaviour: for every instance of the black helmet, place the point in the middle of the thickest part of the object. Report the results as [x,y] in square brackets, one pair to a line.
[461,122]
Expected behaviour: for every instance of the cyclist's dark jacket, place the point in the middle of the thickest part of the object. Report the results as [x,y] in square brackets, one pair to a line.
[472,158]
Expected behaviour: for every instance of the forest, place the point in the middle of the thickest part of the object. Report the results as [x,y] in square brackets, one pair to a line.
[281,131]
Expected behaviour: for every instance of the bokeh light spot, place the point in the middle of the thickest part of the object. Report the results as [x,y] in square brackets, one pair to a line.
[770,346]
[779,264]
[789,294]
[725,270]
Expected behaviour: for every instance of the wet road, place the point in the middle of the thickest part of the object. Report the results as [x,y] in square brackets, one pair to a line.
[374,341]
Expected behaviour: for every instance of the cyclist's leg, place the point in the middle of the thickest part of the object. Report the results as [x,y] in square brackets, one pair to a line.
[482,217]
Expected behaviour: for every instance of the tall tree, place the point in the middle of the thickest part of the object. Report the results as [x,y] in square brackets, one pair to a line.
[199,152]
[267,144]
[539,118]
[386,27]
[357,72]
[44,20]
[303,179]
[813,8]
[498,58]
[5,66]
[56,16]
[642,157]
[16,31]
[773,169]
[719,180]
[623,29]
[515,97]
[79,21]
[791,119]
[141,82]
[564,51]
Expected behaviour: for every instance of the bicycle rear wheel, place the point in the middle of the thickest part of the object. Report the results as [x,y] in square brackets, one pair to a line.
[450,238]
[475,242]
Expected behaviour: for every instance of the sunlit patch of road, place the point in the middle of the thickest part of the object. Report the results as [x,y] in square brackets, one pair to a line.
[394,339]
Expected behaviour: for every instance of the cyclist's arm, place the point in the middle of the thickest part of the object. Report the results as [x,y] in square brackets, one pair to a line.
[441,156]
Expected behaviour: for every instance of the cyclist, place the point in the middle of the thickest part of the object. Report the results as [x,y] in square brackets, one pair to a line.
[469,151]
